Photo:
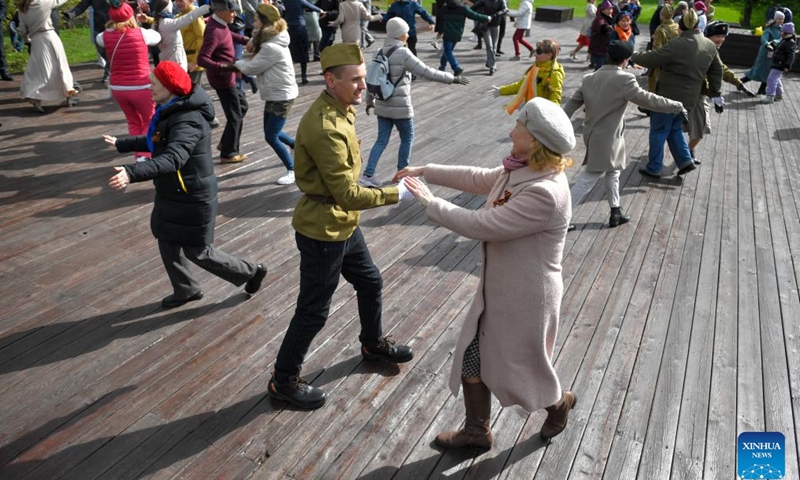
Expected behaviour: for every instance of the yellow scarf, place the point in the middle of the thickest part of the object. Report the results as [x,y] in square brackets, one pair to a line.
[526,92]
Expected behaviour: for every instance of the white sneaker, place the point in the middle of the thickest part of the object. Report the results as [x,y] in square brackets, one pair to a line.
[287,179]
[369,182]
[435,44]
[101,62]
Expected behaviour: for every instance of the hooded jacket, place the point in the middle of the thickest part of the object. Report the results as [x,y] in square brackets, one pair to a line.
[181,169]
[274,69]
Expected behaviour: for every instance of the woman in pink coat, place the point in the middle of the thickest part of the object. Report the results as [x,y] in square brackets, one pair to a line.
[506,342]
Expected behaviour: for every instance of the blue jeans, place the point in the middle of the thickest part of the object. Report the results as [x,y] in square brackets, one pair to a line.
[598,61]
[447,56]
[667,127]
[321,265]
[406,128]
[277,138]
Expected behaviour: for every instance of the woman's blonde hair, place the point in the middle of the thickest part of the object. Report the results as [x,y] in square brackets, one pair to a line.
[128,24]
[268,31]
[542,158]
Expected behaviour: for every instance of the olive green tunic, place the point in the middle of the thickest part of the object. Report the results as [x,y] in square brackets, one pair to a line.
[327,163]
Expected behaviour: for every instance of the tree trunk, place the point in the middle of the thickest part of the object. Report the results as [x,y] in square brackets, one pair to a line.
[748,12]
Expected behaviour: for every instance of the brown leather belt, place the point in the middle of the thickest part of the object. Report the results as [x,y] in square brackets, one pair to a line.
[325,199]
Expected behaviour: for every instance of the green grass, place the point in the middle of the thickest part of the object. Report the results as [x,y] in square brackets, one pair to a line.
[726,11]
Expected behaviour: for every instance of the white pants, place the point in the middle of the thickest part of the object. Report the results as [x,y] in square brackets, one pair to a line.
[585,182]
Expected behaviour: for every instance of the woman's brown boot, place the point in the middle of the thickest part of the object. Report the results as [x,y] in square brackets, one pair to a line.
[476,431]
[557,415]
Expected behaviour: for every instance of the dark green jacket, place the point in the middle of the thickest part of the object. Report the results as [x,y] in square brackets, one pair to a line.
[686,62]
[455,13]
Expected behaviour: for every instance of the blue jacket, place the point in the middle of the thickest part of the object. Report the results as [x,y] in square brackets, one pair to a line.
[407,10]
[294,12]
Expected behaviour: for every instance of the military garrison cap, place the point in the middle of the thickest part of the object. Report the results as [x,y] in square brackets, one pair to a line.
[341,54]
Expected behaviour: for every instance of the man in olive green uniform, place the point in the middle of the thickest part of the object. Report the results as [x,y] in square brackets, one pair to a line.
[327,166]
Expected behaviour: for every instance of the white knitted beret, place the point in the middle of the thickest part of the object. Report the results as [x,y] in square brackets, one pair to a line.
[548,123]
[396,27]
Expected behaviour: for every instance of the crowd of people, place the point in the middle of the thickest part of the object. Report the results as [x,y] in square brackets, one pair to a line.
[506,343]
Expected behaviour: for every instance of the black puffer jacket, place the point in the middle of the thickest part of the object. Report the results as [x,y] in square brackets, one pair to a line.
[181,169]
[784,52]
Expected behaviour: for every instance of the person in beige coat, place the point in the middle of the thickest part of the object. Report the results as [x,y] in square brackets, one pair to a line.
[351,14]
[506,343]
[605,94]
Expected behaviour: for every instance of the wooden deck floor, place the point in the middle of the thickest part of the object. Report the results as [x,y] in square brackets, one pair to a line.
[678,331]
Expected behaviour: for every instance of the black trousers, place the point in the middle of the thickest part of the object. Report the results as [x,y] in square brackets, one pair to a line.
[234,104]
[501,34]
[328,36]
[411,43]
[221,264]
[321,263]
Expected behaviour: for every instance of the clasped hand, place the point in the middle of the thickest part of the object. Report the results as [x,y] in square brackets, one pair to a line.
[408,177]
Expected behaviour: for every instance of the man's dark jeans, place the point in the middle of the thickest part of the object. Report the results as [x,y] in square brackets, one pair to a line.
[321,263]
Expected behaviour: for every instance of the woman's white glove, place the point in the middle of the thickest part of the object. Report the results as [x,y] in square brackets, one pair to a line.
[494,92]
[405,193]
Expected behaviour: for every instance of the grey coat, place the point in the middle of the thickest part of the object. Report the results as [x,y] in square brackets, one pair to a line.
[606,94]
[518,300]
[403,63]
[685,61]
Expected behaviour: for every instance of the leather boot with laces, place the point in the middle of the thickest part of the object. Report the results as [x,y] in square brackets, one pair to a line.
[557,415]
[388,351]
[477,431]
[298,392]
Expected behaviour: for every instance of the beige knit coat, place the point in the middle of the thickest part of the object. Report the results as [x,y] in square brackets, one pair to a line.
[351,14]
[519,296]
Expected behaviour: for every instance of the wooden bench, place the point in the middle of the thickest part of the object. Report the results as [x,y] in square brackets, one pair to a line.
[553,14]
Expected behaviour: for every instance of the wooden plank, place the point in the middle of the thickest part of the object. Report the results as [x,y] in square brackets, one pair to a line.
[721,432]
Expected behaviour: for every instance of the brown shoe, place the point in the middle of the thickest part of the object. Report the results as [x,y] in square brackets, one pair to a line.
[238,158]
[476,431]
[557,415]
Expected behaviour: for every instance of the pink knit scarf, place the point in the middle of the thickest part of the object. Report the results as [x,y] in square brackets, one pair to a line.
[511,163]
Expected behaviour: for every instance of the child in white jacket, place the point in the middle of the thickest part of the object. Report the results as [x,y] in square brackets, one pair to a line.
[171,46]
[522,23]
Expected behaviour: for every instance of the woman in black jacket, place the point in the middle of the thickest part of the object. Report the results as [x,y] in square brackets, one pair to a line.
[496,9]
[182,171]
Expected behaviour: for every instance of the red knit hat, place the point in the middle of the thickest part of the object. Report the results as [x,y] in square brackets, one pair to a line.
[173,77]
[121,14]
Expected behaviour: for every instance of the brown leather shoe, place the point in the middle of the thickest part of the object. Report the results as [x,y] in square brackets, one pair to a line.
[557,415]
[476,431]
[238,158]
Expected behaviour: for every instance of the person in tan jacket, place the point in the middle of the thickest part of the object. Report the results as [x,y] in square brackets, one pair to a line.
[605,95]
[351,14]
[506,343]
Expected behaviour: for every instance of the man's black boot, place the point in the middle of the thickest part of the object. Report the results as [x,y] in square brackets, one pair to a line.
[297,392]
[388,351]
